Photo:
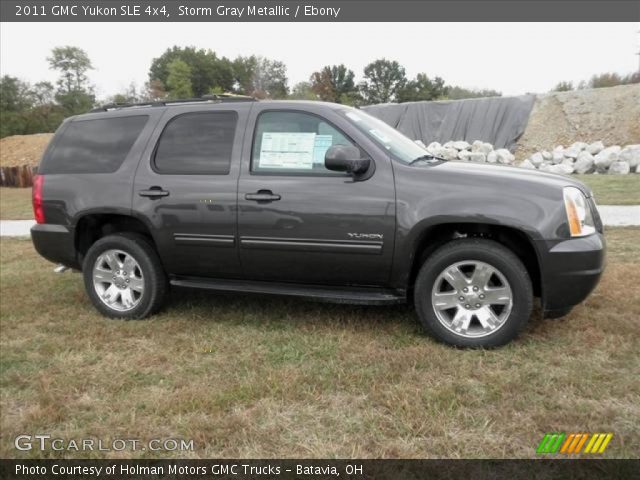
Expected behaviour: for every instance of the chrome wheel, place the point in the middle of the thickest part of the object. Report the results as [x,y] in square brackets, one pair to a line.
[472,299]
[118,280]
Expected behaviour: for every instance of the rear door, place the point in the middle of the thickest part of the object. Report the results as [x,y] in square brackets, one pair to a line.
[186,189]
[301,223]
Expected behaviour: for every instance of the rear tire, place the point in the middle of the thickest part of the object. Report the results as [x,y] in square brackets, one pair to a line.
[473,293]
[123,276]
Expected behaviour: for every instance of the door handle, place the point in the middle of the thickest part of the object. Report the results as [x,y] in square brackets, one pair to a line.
[262,196]
[153,192]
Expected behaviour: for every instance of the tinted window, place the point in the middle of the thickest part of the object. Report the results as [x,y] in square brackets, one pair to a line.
[94,146]
[293,142]
[195,143]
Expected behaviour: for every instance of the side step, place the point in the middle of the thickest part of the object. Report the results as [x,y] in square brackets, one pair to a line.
[352,295]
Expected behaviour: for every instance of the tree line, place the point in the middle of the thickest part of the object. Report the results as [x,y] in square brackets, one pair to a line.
[186,72]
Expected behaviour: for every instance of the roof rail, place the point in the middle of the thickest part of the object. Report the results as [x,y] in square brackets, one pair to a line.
[214,98]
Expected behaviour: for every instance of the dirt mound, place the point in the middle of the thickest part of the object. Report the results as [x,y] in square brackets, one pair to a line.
[21,150]
[611,115]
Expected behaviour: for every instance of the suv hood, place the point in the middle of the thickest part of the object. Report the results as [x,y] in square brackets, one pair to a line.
[509,175]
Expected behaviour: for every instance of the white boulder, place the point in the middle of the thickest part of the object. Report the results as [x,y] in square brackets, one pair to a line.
[584,163]
[619,168]
[461,145]
[606,157]
[527,164]
[492,157]
[548,156]
[505,156]
[481,147]
[449,153]
[572,152]
[536,159]
[557,156]
[579,146]
[631,155]
[595,148]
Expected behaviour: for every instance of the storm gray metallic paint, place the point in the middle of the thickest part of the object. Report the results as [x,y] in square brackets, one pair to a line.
[206,228]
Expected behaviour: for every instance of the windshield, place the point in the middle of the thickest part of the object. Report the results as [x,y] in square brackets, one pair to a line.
[403,148]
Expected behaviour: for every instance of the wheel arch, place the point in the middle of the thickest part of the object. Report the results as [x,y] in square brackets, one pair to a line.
[91,227]
[520,243]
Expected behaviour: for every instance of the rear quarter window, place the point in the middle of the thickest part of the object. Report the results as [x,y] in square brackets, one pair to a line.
[94,146]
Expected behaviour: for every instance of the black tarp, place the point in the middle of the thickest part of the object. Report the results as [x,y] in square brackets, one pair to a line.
[497,120]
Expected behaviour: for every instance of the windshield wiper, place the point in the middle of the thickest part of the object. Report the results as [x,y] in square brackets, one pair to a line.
[428,157]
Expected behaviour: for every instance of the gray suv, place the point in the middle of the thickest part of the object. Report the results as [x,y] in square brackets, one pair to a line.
[312,200]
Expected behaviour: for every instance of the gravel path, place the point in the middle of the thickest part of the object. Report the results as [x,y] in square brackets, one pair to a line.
[612,216]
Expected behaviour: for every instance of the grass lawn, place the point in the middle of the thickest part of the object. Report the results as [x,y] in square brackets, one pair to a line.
[614,189]
[249,376]
[15,203]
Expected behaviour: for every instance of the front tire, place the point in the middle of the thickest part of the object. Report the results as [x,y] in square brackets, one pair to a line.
[473,293]
[123,276]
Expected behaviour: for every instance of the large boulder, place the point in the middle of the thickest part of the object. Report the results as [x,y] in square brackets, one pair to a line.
[561,168]
[579,146]
[449,153]
[584,163]
[572,152]
[548,156]
[527,164]
[536,159]
[434,148]
[492,157]
[631,155]
[619,168]
[595,148]
[464,155]
[477,157]
[505,156]
[461,145]
[557,156]
[481,147]
[606,157]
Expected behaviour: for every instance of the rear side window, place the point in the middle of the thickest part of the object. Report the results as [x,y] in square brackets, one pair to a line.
[197,143]
[94,146]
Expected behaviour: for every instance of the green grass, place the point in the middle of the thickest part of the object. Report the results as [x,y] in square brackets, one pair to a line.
[614,189]
[249,376]
[15,203]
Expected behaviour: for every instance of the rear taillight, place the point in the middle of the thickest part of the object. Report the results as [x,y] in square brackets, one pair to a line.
[38,211]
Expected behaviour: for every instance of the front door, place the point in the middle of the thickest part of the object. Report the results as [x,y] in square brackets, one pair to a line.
[299,222]
[186,187]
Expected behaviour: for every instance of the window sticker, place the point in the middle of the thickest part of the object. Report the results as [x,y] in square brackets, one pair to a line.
[290,151]
[320,147]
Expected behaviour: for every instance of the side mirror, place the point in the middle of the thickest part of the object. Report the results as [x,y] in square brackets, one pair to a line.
[345,158]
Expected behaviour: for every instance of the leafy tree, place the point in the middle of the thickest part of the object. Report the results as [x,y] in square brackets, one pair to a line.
[610,79]
[14,94]
[179,80]
[303,91]
[260,77]
[422,88]
[563,87]
[383,79]
[459,93]
[75,93]
[333,83]
[73,64]
[208,71]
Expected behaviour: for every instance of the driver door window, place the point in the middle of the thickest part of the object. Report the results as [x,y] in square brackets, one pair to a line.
[293,143]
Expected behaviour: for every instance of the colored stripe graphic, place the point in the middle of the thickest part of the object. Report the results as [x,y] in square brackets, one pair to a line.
[572,443]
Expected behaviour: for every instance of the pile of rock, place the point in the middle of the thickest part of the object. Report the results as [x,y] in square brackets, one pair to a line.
[477,151]
[580,157]
[583,158]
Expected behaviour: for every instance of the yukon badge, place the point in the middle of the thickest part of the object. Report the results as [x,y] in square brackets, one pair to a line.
[365,236]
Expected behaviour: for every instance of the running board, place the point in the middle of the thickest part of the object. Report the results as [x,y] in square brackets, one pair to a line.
[352,295]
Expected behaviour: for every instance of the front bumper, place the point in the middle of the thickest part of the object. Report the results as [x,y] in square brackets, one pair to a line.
[570,270]
[55,243]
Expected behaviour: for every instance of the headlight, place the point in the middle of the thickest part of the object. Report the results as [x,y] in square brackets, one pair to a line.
[578,213]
